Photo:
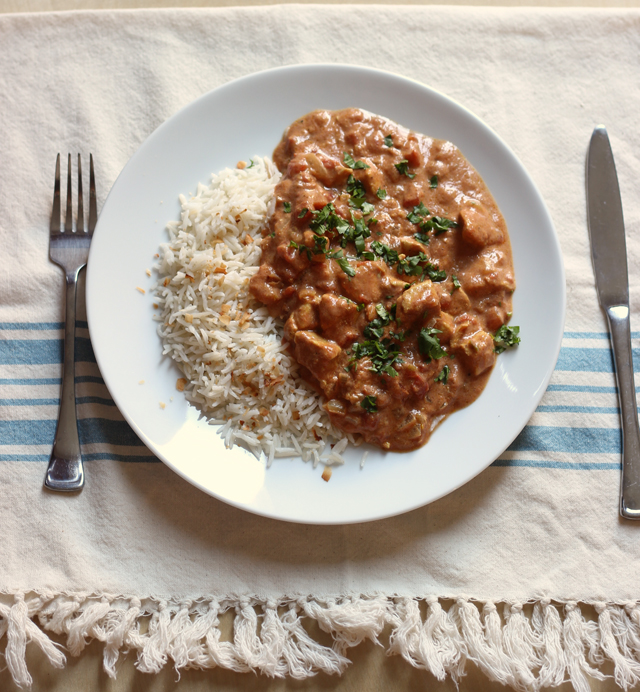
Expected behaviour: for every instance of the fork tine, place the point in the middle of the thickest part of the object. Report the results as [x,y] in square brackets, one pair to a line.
[93,207]
[55,211]
[68,222]
[80,223]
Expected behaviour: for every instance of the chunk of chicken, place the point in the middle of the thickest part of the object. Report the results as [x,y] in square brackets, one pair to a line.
[368,284]
[327,169]
[320,357]
[337,317]
[421,302]
[473,345]
[303,317]
[266,286]
[489,272]
[478,228]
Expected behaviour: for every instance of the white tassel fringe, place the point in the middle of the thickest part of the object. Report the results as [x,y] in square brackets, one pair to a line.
[524,646]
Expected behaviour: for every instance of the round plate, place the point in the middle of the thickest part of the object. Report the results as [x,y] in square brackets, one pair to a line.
[246,118]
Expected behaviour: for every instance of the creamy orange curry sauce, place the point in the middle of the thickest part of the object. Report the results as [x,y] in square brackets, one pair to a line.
[390,263]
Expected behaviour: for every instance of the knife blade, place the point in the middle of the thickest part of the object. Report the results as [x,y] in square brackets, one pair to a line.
[609,256]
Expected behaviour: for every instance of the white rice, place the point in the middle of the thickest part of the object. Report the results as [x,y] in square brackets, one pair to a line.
[230,350]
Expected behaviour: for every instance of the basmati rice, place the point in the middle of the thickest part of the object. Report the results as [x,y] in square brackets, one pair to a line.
[229,348]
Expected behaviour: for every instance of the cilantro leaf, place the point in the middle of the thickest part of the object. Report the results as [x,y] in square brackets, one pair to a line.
[429,344]
[381,194]
[417,214]
[350,162]
[506,337]
[433,183]
[388,255]
[369,404]
[411,265]
[303,213]
[383,354]
[438,223]
[403,169]
[343,263]
[456,282]
[436,275]
[388,141]
[287,207]
[443,375]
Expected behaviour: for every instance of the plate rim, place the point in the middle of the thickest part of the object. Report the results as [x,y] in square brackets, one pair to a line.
[561,274]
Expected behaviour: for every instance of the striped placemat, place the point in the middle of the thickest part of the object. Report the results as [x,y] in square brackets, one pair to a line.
[576,425]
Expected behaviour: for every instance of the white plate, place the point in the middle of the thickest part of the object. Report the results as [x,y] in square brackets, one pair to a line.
[245,118]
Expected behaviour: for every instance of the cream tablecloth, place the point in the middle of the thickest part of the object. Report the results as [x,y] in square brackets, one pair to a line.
[141,560]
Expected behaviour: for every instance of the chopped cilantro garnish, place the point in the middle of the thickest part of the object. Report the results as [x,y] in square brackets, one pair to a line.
[422,237]
[436,275]
[368,208]
[360,307]
[438,223]
[411,265]
[343,262]
[369,404]
[375,328]
[251,164]
[388,255]
[429,344]
[403,169]
[433,183]
[326,220]
[294,245]
[417,214]
[303,213]
[443,375]
[506,337]
[351,233]
[287,207]
[320,244]
[456,282]
[350,162]
[383,354]
[381,194]
[388,141]
[358,194]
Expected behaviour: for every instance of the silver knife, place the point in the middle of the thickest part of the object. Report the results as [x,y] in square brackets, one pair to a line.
[609,255]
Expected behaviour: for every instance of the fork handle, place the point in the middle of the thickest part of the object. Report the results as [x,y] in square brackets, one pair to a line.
[65,470]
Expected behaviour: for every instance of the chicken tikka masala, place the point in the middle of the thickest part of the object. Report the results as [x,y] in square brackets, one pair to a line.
[390,263]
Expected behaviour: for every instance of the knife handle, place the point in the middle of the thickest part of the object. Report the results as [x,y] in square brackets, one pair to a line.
[619,327]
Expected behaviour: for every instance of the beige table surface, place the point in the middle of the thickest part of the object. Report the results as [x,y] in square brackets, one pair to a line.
[372,670]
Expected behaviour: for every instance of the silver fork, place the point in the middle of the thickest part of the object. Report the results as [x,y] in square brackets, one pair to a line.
[70,250]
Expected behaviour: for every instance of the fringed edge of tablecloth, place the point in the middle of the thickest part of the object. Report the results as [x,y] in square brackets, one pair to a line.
[526,646]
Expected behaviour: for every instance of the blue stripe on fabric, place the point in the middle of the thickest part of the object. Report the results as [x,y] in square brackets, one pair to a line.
[39,326]
[578,409]
[48,380]
[42,351]
[90,431]
[540,438]
[588,359]
[97,456]
[594,335]
[32,380]
[56,402]
[581,388]
[32,326]
[577,466]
